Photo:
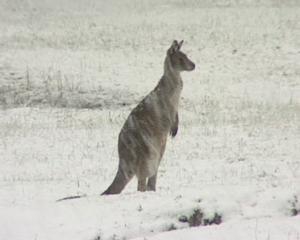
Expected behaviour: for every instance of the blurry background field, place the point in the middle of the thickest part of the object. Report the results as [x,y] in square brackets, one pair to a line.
[71,71]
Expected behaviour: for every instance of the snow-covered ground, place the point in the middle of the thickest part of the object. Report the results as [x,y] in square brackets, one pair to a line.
[71,71]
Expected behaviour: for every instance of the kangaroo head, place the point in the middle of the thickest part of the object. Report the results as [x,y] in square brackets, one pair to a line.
[178,59]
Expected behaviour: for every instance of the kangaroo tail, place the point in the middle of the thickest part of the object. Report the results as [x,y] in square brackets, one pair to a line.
[119,183]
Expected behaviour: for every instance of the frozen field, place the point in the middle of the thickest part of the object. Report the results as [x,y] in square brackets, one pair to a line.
[71,71]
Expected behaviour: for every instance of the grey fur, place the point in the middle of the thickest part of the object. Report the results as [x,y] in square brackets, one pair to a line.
[143,137]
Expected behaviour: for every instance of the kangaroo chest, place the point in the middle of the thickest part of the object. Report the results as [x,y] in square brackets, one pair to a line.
[175,97]
[171,92]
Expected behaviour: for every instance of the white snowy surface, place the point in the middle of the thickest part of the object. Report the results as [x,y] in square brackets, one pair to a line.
[237,150]
[260,228]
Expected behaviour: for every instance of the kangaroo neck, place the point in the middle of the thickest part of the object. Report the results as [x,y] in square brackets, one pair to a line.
[171,81]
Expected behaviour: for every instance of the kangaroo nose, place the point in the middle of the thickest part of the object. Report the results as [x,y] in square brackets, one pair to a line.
[193,66]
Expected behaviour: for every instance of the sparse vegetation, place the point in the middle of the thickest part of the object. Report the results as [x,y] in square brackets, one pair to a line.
[197,218]
[294,206]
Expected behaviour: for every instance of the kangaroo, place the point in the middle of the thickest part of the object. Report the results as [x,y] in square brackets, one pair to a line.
[143,137]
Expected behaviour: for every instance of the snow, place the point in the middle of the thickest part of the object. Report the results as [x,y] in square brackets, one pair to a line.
[260,228]
[70,73]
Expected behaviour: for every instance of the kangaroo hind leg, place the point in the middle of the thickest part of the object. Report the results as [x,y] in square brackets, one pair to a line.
[151,185]
[142,184]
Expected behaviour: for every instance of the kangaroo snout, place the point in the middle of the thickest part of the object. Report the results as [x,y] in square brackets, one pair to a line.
[192,66]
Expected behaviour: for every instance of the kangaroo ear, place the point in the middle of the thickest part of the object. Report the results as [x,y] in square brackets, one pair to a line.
[180,44]
[175,43]
[174,47]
